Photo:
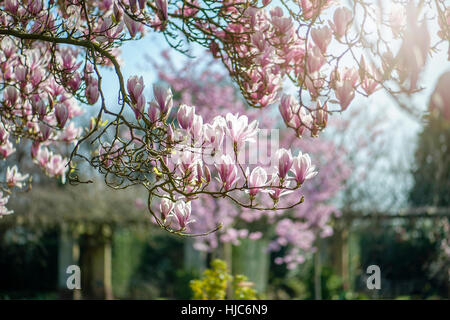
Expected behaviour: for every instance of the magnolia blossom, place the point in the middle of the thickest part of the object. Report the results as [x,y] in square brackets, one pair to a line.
[14,178]
[344,93]
[322,37]
[256,180]
[228,172]
[166,208]
[285,162]
[182,213]
[3,202]
[163,98]
[185,116]
[341,19]
[239,130]
[302,168]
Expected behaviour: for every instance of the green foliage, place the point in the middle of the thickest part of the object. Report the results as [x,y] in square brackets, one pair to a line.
[214,283]
[405,255]
[432,164]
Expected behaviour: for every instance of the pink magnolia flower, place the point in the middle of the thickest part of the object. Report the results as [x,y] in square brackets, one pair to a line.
[35,147]
[45,131]
[14,178]
[213,135]
[228,172]
[56,167]
[185,116]
[286,108]
[43,156]
[21,73]
[256,180]
[135,87]
[161,5]
[279,189]
[132,25]
[61,114]
[92,93]
[71,133]
[197,130]
[321,37]
[38,106]
[341,18]
[285,162]
[3,202]
[166,206]
[239,130]
[344,93]
[397,18]
[35,6]
[6,149]
[315,60]
[4,134]
[163,99]
[153,112]
[139,106]
[182,213]
[11,94]
[302,168]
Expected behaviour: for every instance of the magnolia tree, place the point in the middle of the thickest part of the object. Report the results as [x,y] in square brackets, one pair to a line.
[202,83]
[53,54]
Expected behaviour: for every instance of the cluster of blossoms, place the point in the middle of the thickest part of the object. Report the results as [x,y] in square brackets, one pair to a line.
[52,54]
[35,107]
[294,230]
[194,158]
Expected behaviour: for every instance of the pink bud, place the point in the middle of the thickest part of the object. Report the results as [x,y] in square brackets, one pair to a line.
[285,108]
[132,26]
[62,114]
[344,93]
[135,87]
[153,112]
[21,73]
[38,106]
[35,149]
[341,18]
[118,13]
[92,93]
[185,116]
[284,162]
[322,37]
[161,5]
[163,98]
[75,81]
[139,107]
[45,131]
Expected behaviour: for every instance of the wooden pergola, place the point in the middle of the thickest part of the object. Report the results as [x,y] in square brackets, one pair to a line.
[90,213]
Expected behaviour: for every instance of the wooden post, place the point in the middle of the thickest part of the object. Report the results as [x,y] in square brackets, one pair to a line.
[97,265]
[345,260]
[194,260]
[68,254]
[252,259]
[317,274]
[228,257]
